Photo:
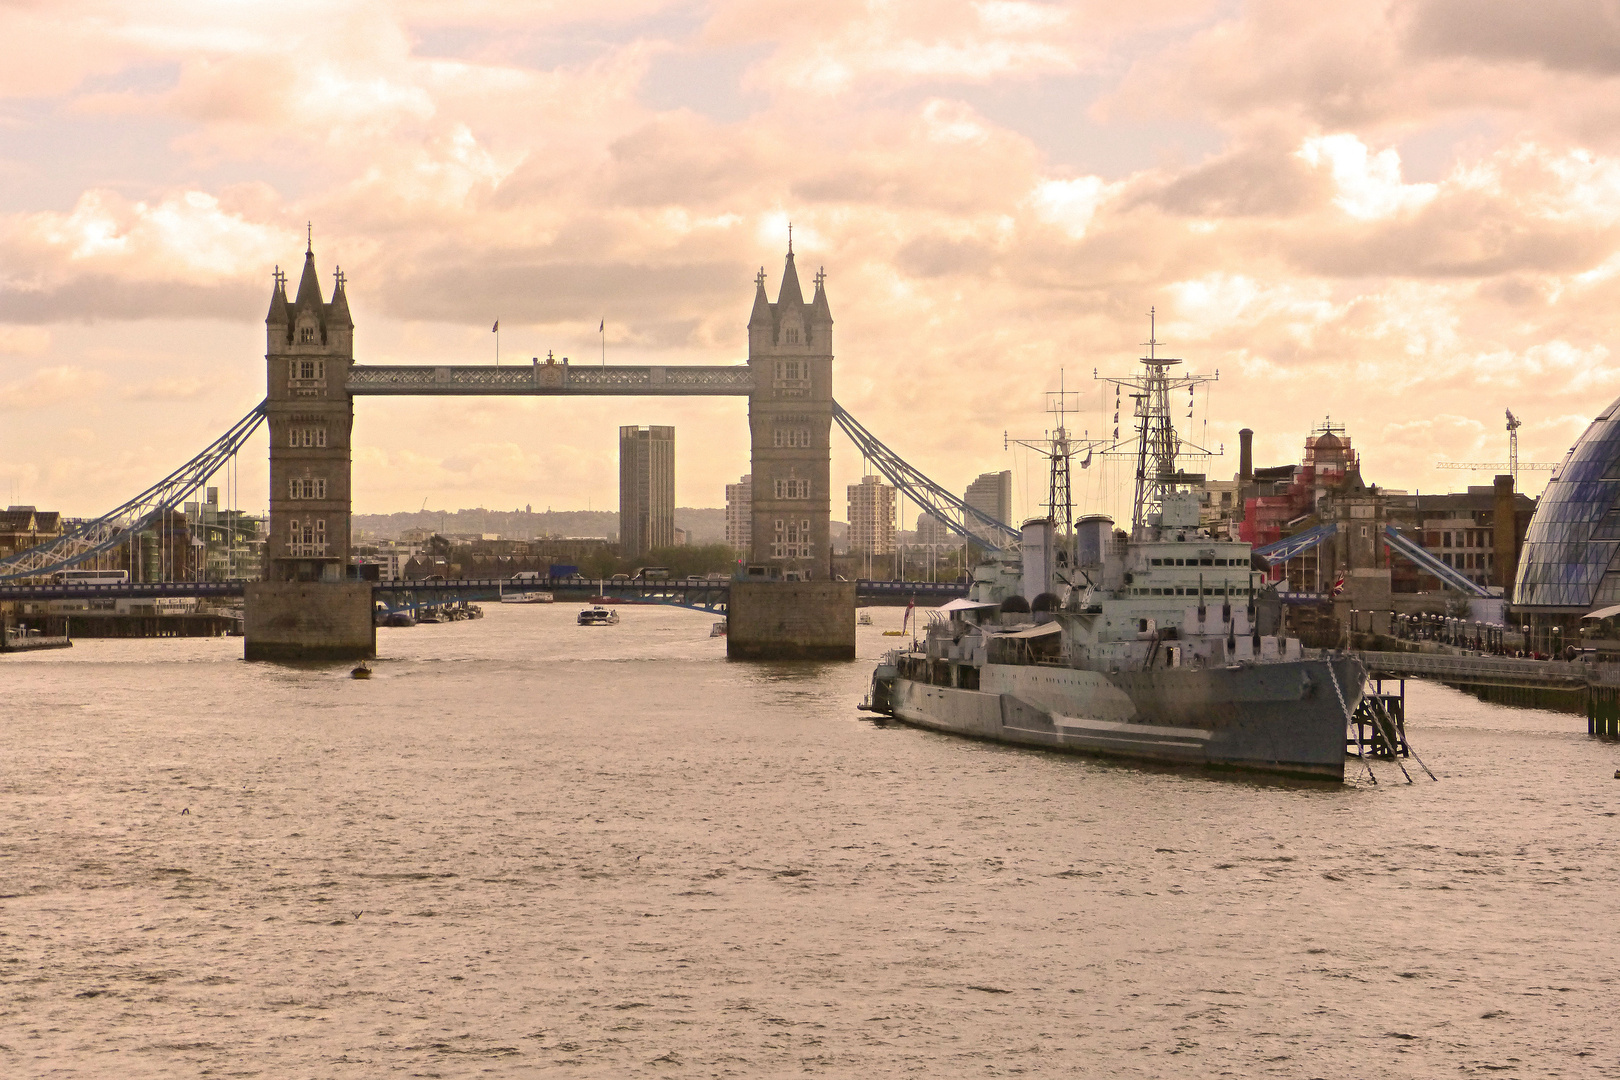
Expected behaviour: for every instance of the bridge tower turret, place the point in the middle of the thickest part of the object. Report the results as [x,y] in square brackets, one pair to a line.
[790,424]
[310,345]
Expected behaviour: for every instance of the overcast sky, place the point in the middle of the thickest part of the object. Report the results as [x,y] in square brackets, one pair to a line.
[1403,215]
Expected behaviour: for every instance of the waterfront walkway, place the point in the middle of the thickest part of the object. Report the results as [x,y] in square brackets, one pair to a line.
[1487,670]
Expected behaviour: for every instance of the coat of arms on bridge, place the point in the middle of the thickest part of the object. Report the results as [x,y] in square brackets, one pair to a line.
[551,373]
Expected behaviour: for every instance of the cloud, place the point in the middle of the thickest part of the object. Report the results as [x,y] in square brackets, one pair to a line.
[1368,185]
[24,340]
[108,256]
[173,389]
[1264,180]
[1572,35]
[834,49]
[50,386]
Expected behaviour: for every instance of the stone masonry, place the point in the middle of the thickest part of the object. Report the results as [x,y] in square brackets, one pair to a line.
[790,423]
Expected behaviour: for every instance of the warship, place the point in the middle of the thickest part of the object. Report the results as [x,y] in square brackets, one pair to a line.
[1149,645]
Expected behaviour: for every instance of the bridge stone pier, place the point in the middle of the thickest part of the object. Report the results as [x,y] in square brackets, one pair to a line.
[787,606]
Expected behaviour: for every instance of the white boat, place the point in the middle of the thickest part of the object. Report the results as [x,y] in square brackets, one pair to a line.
[864,619]
[528,598]
[598,616]
[718,629]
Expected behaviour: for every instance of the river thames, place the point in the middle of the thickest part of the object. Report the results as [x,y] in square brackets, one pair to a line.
[526,847]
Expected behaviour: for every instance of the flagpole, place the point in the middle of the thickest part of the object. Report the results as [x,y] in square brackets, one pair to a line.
[496,330]
[602,329]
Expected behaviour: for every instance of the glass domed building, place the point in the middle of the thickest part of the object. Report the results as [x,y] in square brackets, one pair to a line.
[1568,565]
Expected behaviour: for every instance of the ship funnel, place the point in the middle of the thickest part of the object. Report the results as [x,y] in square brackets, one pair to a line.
[1091,537]
[1037,548]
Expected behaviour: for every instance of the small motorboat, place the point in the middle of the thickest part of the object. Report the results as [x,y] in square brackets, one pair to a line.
[399,618]
[362,670]
[718,629]
[598,616]
[864,619]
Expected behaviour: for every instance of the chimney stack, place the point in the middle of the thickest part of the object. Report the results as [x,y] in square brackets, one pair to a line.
[1245,457]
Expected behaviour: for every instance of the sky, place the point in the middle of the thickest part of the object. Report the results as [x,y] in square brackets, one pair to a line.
[1401,217]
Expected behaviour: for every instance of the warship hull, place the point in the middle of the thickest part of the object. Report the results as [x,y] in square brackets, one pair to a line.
[1286,719]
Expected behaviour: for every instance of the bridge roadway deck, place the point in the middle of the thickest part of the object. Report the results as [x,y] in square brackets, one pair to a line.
[924,592]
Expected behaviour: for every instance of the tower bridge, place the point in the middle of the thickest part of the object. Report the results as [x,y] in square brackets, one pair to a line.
[786,603]
[312,380]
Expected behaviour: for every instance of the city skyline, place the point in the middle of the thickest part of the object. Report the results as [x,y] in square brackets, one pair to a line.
[1401,216]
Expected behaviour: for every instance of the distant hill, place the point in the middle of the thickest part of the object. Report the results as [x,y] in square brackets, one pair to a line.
[707,525]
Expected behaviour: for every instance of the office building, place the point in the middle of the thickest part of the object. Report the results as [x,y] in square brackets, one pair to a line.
[740,515]
[871,517]
[646,490]
[932,532]
[990,494]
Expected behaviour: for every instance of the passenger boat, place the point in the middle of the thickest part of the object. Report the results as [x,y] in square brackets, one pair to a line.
[528,598]
[1148,645]
[598,616]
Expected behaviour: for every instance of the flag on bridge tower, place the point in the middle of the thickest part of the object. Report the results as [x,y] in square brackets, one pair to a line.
[1338,585]
[496,328]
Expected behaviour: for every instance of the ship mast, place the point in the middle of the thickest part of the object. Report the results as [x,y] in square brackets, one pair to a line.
[1157,444]
[1059,496]
[1059,447]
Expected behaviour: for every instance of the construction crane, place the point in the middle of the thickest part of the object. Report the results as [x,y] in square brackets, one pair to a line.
[1513,465]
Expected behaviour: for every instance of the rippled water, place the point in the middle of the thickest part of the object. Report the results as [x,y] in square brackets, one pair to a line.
[527,847]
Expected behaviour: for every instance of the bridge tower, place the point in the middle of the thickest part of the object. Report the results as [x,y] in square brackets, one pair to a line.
[788,606]
[790,422]
[304,609]
[310,345]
